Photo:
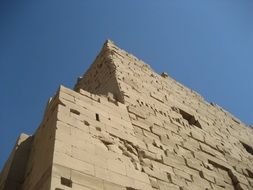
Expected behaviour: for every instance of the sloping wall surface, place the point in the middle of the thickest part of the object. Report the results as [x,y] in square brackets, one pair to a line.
[203,145]
[125,127]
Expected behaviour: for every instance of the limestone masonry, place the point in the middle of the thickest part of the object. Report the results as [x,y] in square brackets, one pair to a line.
[125,127]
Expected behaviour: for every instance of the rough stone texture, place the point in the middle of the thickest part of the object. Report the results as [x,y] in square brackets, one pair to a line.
[125,127]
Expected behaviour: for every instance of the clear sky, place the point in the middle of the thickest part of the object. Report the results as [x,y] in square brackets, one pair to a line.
[205,44]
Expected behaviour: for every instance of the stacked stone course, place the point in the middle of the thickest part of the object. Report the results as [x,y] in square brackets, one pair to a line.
[125,127]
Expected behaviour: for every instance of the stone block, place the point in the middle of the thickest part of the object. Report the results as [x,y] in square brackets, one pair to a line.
[86,180]
[165,186]
[72,163]
[182,174]
[112,186]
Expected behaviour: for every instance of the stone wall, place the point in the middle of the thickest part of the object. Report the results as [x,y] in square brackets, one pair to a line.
[203,145]
[125,127]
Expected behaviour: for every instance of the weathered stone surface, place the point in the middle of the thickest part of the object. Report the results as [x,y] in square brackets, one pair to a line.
[125,127]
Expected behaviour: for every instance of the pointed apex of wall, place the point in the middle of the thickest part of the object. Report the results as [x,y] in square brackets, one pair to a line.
[108,45]
[109,42]
[100,78]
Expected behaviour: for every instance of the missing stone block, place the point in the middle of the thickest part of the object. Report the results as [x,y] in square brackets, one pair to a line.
[74,111]
[66,182]
[190,118]
[131,188]
[248,148]
[97,117]
[86,123]
[250,173]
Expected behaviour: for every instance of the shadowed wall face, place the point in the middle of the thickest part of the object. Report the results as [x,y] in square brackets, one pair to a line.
[14,171]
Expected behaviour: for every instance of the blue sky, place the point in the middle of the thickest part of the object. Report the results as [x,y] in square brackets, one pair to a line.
[205,44]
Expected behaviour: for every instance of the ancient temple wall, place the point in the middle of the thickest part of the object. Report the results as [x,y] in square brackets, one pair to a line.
[39,167]
[177,124]
[203,145]
[95,145]
[125,127]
